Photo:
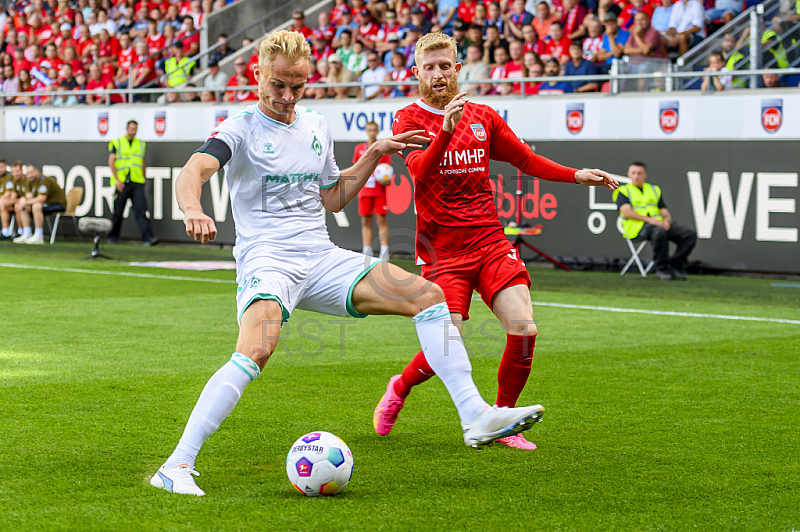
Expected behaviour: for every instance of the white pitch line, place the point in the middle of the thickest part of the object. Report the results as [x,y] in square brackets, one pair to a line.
[662,312]
[122,274]
[668,313]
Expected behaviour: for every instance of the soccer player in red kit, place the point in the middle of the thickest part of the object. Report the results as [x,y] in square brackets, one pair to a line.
[372,200]
[460,242]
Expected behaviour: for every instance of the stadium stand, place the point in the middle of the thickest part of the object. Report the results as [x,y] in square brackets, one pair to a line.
[56,46]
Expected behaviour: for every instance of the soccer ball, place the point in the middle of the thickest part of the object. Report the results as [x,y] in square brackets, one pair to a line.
[319,463]
[383,174]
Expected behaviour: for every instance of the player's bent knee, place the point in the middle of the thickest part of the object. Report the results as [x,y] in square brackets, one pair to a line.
[522,327]
[432,295]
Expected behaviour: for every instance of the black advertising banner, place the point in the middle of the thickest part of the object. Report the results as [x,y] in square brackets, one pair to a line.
[741,196]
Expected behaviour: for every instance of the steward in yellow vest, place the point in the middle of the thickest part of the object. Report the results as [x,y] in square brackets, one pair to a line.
[128,163]
[128,172]
[178,67]
[645,215]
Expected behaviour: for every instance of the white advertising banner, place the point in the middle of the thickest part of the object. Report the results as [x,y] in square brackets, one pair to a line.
[743,115]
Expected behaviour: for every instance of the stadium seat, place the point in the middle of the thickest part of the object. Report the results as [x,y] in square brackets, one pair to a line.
[635,251]
[74,198]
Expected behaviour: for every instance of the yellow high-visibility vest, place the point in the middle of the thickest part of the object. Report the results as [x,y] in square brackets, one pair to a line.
[644,202]
[177,71]
[130,159]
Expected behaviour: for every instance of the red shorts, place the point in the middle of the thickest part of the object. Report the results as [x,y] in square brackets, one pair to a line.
[369,205]
[488,270]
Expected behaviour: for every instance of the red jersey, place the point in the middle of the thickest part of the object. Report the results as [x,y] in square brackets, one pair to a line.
[126,58]
[629,12]
[371,187]
[336,13]
[189,41]
[155,43]
[573,19]
[109,48]
[556,50]
[454,197]
[466,11]
[369,33]
[326,33]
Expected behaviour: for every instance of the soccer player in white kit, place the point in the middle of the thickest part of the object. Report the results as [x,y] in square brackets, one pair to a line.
[281,173]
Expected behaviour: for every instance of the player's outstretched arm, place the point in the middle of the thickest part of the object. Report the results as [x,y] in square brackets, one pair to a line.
[596,178]
[188,188]
[352,179]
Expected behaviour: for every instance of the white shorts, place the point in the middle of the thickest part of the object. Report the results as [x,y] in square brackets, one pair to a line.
[322,281]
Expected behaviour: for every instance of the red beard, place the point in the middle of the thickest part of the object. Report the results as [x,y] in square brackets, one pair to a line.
[438,99]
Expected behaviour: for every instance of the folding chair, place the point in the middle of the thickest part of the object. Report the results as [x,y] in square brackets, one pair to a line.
[635,257]
[73,200]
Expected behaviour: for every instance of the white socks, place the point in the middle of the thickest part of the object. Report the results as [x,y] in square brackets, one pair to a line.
[367,250]
[6,231]
[384,254]
[446,354]
[219,396]
[26,231]
[39,233]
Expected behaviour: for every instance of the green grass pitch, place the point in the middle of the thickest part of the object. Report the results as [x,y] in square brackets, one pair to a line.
[653,422]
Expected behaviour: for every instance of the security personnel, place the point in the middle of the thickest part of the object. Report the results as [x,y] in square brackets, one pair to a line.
[774,50]
[126,160]
[178,67]
[644,214]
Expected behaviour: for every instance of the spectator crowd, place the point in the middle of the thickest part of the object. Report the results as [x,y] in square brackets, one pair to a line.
[58,45]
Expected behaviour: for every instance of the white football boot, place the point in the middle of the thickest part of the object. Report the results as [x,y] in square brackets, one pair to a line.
[177,480]
[35,240]
[499,422]
[22,239]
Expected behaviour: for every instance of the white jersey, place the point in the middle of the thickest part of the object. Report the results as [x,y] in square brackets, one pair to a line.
[274,175]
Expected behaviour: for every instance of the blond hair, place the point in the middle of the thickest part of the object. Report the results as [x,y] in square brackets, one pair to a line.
[290,44]
[433,42]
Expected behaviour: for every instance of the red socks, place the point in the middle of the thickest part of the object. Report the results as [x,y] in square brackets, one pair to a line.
[416,372]
[515,367]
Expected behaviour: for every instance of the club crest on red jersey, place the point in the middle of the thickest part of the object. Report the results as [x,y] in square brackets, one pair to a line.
[220,116]
[478,131]
[160,123]
[771,114]
[102,123]
[668,116]
[575,118]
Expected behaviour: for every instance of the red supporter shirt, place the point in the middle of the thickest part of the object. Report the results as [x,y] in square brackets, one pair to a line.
[110,48]
[45,63]
[251,68]
[556,50]
[22,64]
[45,34]
[141,67]
[369,33]
[326,33]
[82,44]
[305,30]
[371,187]
[454,197]
[629,12]
[189,41]
[336,14]
[126,58]
[66,43]
[155,43]
[573,19]
[466,11]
